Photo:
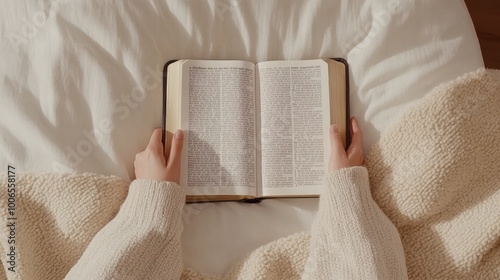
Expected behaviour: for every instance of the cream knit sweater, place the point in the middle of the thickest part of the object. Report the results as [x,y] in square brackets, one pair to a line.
[351,238]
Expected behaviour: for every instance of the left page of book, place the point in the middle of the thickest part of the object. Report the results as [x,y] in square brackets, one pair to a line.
[218,118]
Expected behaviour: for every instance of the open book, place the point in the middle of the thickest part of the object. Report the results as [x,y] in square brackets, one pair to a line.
[254,130]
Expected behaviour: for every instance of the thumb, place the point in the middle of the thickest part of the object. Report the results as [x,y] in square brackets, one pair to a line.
[174,158]
[155,141]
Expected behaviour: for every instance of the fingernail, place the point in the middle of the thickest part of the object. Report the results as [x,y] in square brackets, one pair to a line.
[178,134]
[334,128]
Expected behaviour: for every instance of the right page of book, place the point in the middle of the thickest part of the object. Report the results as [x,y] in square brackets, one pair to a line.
[294,123]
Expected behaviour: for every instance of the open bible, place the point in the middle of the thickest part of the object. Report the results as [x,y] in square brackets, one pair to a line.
[254,130]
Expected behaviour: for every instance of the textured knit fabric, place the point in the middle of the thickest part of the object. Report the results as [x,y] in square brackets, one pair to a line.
[435,173]
[351,237]
[142,241]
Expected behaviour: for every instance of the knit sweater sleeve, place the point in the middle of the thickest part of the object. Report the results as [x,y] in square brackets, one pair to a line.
[142,241]
[351,238]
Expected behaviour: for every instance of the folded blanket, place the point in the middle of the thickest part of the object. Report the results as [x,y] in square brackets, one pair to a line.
[435,173]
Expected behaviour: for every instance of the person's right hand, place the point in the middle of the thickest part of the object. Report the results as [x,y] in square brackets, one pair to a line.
[339,158]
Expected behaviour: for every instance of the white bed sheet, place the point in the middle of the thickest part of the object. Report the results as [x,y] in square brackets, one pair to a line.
[81,88]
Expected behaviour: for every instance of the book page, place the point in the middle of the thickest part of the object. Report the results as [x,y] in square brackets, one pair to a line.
[295,118]
[218,116]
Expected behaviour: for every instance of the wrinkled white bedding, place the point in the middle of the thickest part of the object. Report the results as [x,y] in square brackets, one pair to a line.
[81,83]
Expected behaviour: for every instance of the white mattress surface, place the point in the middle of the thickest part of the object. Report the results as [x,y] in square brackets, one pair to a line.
[81,83]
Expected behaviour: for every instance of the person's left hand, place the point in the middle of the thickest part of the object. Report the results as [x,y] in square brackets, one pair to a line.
[151,163]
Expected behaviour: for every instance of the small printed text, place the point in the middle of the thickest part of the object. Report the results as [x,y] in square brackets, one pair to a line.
[11,218]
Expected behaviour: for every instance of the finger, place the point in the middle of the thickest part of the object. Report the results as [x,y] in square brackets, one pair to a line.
[336,140]
[356,137]
[174,158]
[155,141]
[355,150]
